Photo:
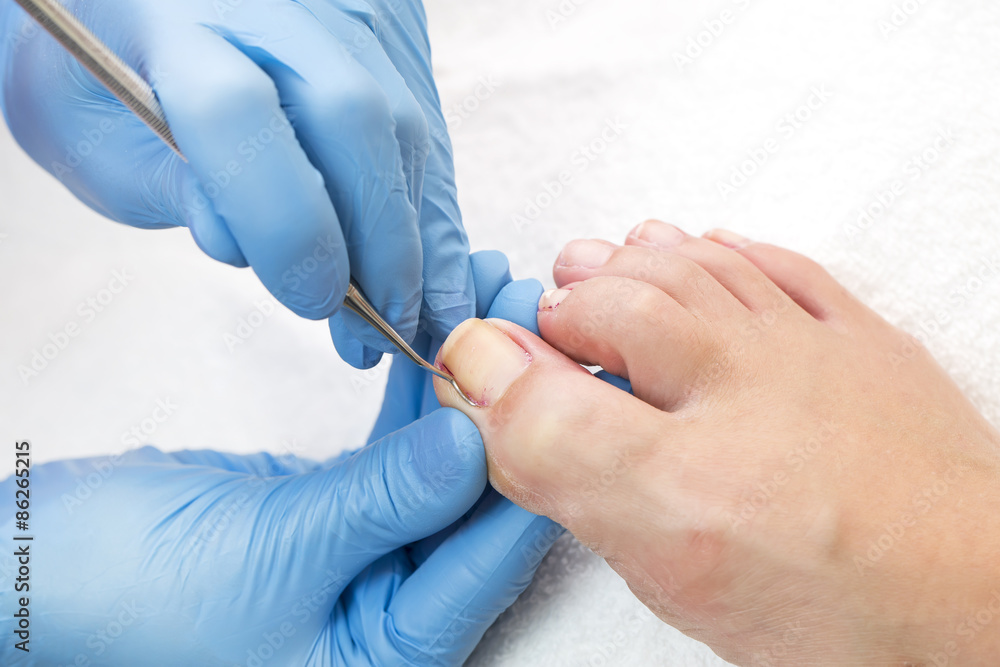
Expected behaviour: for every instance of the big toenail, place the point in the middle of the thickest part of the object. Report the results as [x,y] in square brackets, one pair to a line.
[484,360]
[586,254]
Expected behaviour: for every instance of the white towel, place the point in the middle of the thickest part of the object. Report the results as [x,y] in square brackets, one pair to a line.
[527,85]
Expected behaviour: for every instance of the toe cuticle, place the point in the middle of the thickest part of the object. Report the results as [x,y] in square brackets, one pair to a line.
[552,298]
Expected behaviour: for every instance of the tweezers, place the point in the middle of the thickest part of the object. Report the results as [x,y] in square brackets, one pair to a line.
[359,304]
[133,91]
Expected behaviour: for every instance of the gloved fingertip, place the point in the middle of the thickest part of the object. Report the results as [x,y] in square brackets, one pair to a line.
[471,448]
[213,242]
[319,303]
[460,441]
[445,309]
[370,357]
[429,473]
[209,231]
[517,302]
[350,349]
[490,273]
[371,340]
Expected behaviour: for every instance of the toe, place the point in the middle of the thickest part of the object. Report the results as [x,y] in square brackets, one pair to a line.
[627,326]
[802,279]
[735,273]
[687,283]
[550,428]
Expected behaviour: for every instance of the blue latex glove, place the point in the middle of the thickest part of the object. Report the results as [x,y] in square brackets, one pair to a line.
[204,558]
[410,395]
[396,554]
[315,136]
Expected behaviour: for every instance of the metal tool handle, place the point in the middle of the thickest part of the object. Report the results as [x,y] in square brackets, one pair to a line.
[359,304]
[123,82]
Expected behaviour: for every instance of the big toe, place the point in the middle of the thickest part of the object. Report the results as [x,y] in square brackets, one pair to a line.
[551,429]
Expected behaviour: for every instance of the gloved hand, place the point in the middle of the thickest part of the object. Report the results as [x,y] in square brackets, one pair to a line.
[205,558]
[396,554]
[315,136]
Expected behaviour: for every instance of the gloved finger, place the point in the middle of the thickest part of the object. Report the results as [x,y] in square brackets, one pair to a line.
[398,490]
[230,123]
[81,134]
[421,550]
[348,331]
[356,628]
[349,120]
[490,273]
[354,30]
[449,294]
[440,612]
[404,391]
[350,348]
[518,303]
[262,464]
[209,231]
[355,33]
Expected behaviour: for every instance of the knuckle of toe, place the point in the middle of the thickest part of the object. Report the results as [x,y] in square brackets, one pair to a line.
[688,273]
[644,302]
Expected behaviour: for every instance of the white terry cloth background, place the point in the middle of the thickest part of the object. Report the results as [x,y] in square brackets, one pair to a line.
[928,261]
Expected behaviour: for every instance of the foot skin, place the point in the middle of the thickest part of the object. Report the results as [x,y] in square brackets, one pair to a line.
[795,481]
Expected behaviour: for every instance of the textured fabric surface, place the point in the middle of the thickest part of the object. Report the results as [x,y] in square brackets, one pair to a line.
[895,112]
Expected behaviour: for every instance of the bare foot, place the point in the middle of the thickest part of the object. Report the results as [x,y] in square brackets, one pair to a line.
[795,482]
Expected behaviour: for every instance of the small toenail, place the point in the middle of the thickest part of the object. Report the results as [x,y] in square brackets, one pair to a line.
[659,234]
[728,239]
[552,298]
[586,254]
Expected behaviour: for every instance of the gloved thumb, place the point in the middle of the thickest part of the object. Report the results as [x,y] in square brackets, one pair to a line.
[402,488]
